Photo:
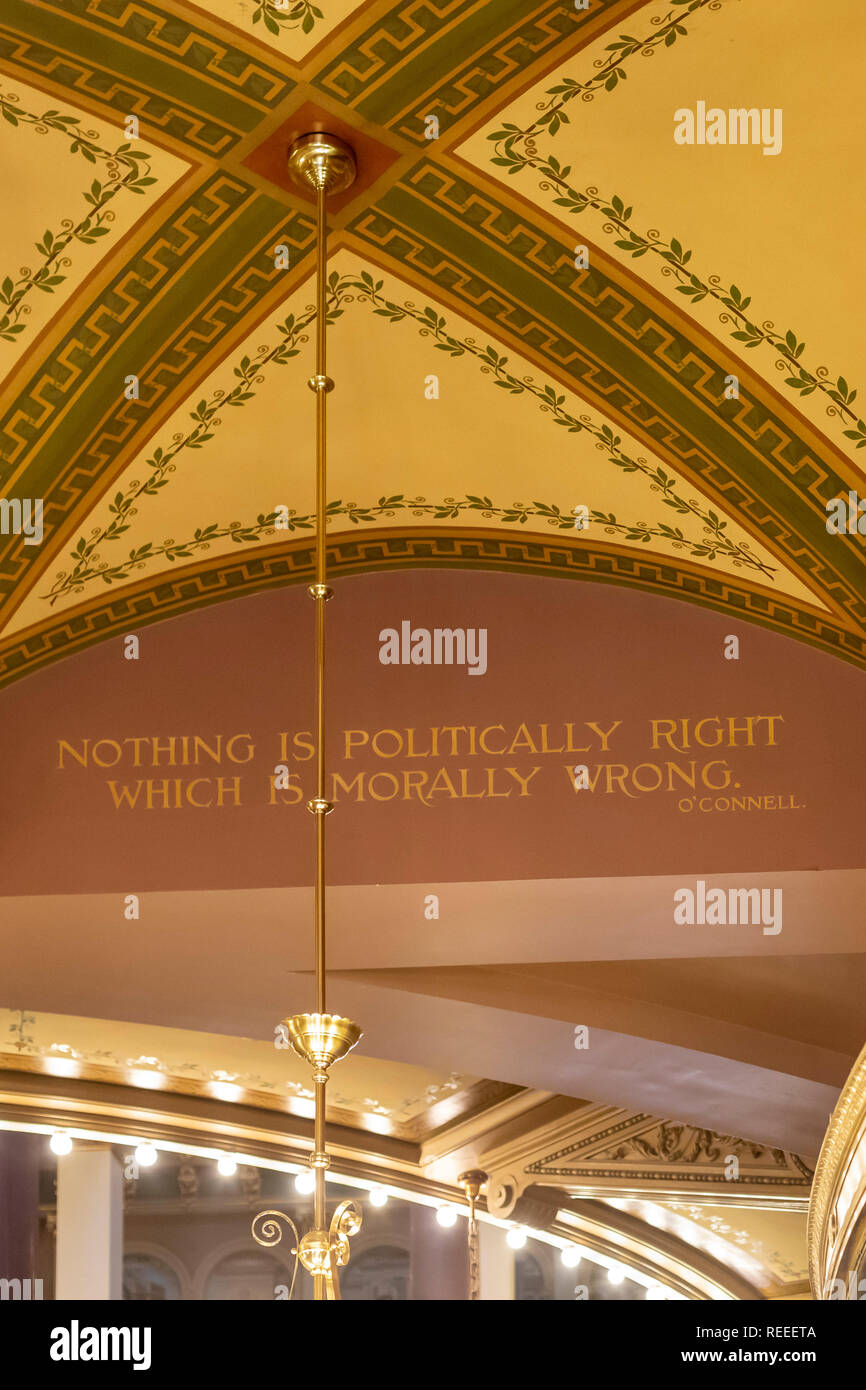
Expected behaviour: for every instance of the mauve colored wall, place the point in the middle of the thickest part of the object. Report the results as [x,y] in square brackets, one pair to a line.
[557,652]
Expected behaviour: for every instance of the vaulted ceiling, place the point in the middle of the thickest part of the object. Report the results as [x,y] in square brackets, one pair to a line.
[156,283]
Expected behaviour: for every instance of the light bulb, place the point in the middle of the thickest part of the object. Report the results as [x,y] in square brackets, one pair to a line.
[224,1090]
[615,1275]
[227,1165]
[571,1257]
[305,1182]
[60,1143]
[447,1216]
[516,1238]
[145,1155]
[378,1197]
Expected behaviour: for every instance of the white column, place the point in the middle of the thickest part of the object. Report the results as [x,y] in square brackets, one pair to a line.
[497,1263]
[89,1223]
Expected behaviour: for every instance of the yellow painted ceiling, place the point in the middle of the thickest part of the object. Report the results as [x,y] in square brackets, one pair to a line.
[387,437]
[786,229]
[55,166]
[142,401]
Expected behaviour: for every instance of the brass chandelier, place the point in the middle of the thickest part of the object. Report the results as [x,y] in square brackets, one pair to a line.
[327,165]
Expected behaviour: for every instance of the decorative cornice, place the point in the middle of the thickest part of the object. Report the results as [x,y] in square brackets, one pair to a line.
[176,1117]
[835,1238]
[664,1150]
[465,1103]
[602,1151]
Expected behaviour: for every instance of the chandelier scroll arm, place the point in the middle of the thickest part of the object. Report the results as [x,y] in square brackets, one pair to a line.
[268,1223]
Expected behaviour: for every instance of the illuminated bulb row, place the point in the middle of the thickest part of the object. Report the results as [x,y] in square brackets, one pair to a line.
[517,1236]
[146,1154]
[446,1215]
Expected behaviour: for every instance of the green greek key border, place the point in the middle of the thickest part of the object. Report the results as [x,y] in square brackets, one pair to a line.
[523,284]
[228,232]
[418,42]
[203,92]
[292,562]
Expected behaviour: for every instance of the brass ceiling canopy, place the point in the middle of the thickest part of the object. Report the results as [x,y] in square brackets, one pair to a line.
[322,161]
[326,164]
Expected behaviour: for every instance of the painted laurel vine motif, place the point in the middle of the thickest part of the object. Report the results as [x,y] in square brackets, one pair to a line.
[206,418]
[715,541]
[517,149]
[280,15]
[611,71]
[125,170]
[87,562]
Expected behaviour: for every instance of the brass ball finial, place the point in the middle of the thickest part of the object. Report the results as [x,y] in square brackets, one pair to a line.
[319,160]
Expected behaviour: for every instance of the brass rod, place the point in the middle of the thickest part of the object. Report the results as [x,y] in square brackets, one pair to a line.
[327,164]
[319,1282]
[321,568]
[321,364]
[321,271]
[320,912]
